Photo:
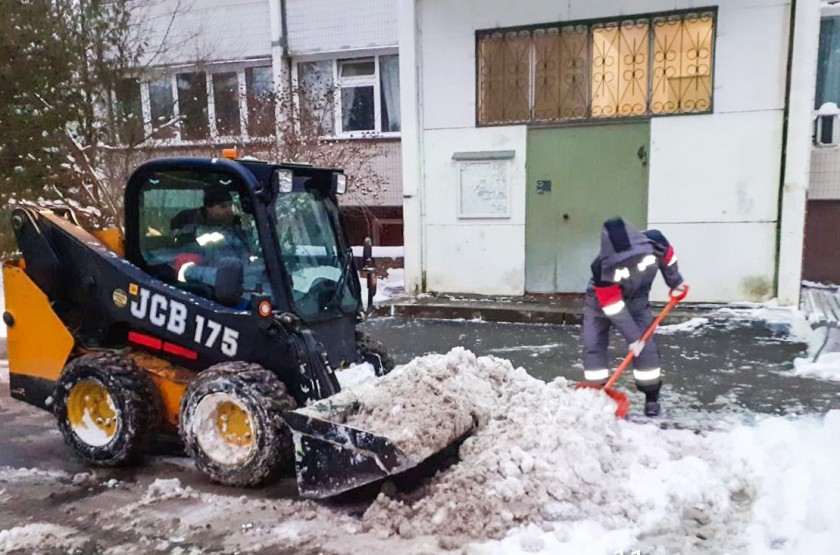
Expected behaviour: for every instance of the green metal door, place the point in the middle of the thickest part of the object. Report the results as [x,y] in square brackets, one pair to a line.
[577,178]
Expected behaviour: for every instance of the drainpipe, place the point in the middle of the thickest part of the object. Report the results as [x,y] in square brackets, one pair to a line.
[280,58]
[796,147]
[412,147]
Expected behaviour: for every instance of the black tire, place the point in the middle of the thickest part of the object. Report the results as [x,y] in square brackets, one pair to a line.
[247,393]
[115,432]
[374,352]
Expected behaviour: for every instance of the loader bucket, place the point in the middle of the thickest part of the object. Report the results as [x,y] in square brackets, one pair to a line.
[332,458]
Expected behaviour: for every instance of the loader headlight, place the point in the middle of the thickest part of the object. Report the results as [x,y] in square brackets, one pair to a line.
[284,180]
[340,183]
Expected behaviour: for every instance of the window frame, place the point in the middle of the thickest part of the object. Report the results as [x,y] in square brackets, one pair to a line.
[589,119]
[171,75]
[336,59]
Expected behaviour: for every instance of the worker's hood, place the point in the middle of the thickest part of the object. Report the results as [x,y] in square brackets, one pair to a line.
[620,242]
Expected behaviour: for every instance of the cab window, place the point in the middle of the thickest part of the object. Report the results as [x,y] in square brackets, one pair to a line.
[192,224]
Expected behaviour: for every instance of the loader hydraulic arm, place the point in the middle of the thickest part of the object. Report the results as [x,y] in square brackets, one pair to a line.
[42,262]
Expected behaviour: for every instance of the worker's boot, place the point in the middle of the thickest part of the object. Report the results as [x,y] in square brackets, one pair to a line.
[651,392]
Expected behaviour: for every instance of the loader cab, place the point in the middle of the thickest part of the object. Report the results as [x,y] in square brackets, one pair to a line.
[243,233]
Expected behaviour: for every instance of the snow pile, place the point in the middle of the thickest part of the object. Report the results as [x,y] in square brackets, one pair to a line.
[422,406]
[827,367]
[795,462]
[550,456]
[40,537]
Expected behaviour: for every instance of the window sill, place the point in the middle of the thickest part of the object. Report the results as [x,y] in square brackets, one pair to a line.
[362,136]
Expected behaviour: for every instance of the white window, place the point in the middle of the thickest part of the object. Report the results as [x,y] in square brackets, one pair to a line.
[220,104]
[259,89]
[356,97]
[226,104]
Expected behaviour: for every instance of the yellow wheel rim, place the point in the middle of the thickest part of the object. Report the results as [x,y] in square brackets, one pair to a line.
[233,423]
[91,412]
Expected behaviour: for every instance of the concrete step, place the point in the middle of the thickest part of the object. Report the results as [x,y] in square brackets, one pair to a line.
[559,311]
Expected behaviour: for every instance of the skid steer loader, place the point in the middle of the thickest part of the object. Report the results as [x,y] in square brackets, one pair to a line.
[230,300]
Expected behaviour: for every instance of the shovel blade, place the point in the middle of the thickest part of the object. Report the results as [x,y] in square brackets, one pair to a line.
[621,400]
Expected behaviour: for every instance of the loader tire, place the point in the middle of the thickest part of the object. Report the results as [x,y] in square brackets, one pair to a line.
[374,352]
[232,424]
[107,408]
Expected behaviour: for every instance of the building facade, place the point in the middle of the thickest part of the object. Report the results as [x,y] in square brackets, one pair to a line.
[535,121]
[220,73]
[823,217]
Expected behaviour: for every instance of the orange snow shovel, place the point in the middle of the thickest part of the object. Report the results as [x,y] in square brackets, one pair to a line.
[620,398]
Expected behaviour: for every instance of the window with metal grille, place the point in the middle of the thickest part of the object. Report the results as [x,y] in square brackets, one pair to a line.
[639,66]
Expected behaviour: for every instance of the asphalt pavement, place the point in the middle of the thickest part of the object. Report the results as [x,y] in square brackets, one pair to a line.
[724,365]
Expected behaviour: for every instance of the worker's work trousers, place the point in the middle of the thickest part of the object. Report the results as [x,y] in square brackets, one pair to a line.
[596,339]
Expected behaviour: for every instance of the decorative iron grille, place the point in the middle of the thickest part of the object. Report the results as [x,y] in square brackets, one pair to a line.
[561,58]
[631,67]
[682,64]
[504,77]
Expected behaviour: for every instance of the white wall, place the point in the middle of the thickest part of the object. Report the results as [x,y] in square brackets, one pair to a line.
[466,255]
[206,30]
[712,177]
[328,26]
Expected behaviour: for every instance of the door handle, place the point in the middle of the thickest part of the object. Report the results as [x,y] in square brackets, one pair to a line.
[642,155]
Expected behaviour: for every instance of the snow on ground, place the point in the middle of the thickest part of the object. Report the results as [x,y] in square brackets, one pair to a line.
[40,537]
[18,475]
[826,367]
[548,470]
[792,320]
[689,326]
[389,287]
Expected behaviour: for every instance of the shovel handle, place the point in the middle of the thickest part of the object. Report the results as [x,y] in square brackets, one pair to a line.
[674,299]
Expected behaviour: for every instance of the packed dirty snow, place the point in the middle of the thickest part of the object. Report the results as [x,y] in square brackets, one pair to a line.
[17,475]
[546,453]
[167,489]
[40,537]
[422,406]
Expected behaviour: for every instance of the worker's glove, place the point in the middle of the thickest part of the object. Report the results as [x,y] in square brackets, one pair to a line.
[679,292]
[637,347]
[183,262]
